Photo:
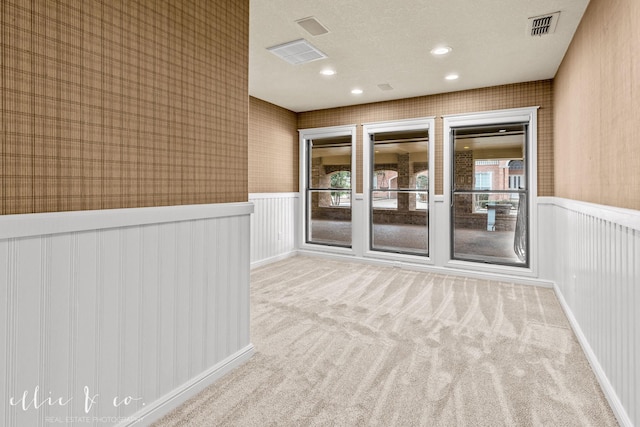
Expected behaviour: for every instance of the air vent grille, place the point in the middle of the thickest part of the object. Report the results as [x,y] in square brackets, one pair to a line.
[544,24]
[312,26]
[297,52]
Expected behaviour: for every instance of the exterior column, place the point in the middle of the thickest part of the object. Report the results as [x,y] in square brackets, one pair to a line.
[404,181]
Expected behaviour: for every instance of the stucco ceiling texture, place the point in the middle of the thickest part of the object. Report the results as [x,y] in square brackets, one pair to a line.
[373,42]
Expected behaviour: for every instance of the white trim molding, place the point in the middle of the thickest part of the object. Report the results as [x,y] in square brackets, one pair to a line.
[628,218]
[39,224]
[177,397]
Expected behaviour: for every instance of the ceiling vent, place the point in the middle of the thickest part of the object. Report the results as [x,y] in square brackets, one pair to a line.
[385,86]
[312,26]
[544,24]
[297,52]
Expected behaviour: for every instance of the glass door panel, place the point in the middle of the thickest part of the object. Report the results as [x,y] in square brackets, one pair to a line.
[328,209]
[489,213]
[399,192]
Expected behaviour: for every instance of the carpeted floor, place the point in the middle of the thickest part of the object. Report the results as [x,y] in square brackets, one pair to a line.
[350,344]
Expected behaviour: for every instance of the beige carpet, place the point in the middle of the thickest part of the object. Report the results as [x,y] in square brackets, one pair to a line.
[349,344]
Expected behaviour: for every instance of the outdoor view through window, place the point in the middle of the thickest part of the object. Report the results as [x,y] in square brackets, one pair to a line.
[489,213]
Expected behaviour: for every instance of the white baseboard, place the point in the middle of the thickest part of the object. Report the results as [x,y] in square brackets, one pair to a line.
[605,384]
[273,259]
[178,396]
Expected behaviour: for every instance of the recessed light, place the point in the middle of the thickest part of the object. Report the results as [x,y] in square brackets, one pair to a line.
[356,91]
[440,50]
[502,130]
[328,72]
[452,76]
[466,147]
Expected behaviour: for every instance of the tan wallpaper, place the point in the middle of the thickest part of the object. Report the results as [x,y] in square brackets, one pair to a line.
[273,148]
[494,98]
[597,108]
[111,104]
[500,97]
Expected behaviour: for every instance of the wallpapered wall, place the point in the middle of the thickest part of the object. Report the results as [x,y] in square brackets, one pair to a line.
[123,104]
[597,108]
[539,93]
[273,148]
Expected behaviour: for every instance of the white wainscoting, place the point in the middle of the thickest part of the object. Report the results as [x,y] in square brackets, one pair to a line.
[273,226]
[592,253]
[146,306]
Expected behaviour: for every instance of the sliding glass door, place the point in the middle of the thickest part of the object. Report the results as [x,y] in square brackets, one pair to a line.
[489,193]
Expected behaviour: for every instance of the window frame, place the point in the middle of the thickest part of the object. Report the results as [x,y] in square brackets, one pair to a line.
[368,129]
[317,133]
[516,115]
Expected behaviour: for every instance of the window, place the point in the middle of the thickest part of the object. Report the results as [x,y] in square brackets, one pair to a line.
[483,180]
[489,210]
[422,183]
[399,195]
[326,180]
[515,182]
[383,181]
[340,179]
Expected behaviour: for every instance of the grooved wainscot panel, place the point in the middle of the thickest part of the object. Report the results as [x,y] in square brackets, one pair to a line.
[144,304]
[273,226]
[597,279]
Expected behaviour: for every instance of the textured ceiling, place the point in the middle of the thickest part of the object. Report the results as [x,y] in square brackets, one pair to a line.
[372,42]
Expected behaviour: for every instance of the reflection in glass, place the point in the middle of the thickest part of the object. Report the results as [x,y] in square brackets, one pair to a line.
[489,210]
[330,223]
[329,191]
[488,234]
[399,192]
